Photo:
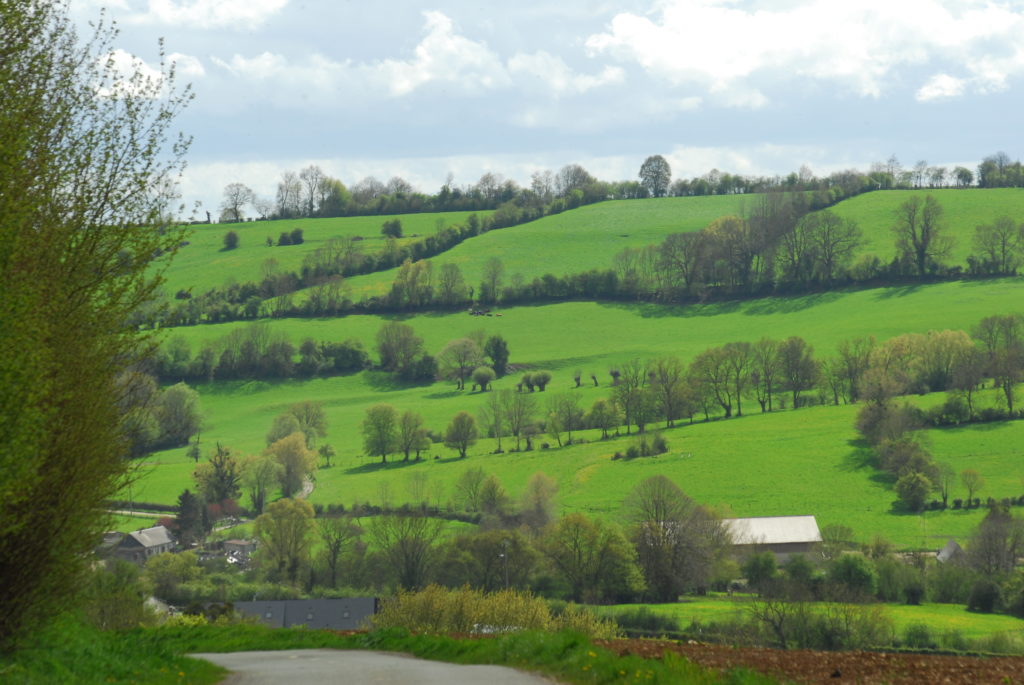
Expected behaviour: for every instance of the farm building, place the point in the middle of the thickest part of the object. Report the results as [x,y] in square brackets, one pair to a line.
[143,544]
[781,535]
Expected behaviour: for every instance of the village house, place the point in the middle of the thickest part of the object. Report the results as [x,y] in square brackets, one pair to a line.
[140,545]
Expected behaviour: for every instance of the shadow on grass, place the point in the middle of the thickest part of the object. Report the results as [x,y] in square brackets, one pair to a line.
[443,395]
[860,457]
[899,291]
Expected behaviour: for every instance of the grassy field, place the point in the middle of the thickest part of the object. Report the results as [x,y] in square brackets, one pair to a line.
[574,241]
[939,618]
[588,237]
[758,465]
[204,264]
[964,210]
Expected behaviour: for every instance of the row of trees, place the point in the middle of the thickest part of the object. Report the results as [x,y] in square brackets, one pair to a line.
[313,193]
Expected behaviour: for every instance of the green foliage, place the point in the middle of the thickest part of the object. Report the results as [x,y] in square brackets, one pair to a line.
[230,240]
[72,651]
[392,228]
[439,610]
[853,576]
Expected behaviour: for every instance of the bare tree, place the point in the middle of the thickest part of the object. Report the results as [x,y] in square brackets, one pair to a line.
[236,196]
[921,234]
[289,195]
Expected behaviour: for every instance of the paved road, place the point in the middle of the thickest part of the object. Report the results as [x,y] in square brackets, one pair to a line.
[329,666]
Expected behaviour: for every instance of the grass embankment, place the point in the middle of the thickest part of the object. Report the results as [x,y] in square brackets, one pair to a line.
[940,618]
[567,657]
[204,264]
[70,652]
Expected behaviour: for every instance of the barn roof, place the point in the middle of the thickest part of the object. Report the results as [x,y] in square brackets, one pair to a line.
[773,530]
[152,537]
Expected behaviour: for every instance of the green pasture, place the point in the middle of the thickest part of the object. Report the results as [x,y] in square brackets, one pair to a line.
[940,618]
[965,209]
[573,241]
[204,264]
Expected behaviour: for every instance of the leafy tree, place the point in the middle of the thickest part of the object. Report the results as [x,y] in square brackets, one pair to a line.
[496,350]
[668,382]
[219,478]
[1001,245]
[461,433]
[678,542]
[1001,338]
[458,359]
[189,523]
[451,287]
[166,571]
[259,472]
[177,413]
[567,412]
[285,424]
[655,175]
[593,557]
[921,234]
[799,370]
[541,379]
[483,376]
[913,488]
[760,570]
[380,431]
[853,576]
[284,533]
[411,433]
[996,545]
[603,415]
[296,462]
[392,228]
[398,346]
[230,240]
[310,419]
[326,453]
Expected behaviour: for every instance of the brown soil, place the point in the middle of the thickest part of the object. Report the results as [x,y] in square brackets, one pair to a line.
[807,666]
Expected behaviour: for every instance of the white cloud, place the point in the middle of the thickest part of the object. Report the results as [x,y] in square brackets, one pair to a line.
[721,46]
[939,87]
[553,74]
[186,66]
[442,60]
[209,14]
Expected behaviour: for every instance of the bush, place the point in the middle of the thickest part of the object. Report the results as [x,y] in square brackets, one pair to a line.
[440,610]
[918,636]
[632,452]
[659,444]
[284,238]
[392,228]
[985,597]
[296,236]
[643,621]
[230,240]
[853,576]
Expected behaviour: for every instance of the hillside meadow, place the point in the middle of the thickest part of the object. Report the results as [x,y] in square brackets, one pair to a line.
[757,465]
[589,237]
[203,263]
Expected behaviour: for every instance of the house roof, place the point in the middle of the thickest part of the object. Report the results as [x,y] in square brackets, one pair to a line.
[773,530]
[151,537]
[951,551]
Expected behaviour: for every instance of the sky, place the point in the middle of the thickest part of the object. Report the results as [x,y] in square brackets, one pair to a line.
[424,90]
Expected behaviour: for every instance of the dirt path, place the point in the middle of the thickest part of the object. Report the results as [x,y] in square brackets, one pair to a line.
[320,666]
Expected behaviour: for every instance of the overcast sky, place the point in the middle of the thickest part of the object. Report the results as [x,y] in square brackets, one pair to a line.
[420,89]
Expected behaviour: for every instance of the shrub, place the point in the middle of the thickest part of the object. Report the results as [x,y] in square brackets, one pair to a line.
[440,610]
[643,621]
[632,452]
[918,636]
[284,238]
[853,576]
[392,228]
[985,596]
[541,379]
[659,444]
[296,236]
[230,240]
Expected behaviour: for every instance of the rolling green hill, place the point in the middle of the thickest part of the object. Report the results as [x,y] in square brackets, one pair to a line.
[757,465]
[203,264]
